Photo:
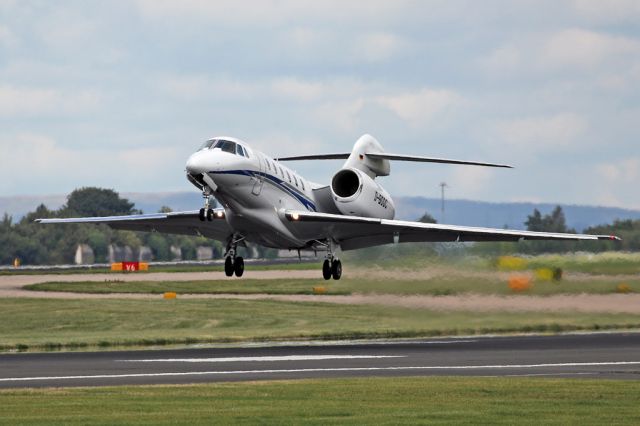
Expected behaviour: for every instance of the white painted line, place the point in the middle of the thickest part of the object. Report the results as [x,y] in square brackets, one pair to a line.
[317,370]
[266,358]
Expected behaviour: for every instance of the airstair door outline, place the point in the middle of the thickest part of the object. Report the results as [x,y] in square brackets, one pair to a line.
[257,186]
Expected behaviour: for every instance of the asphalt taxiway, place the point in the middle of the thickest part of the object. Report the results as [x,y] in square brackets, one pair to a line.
[600,355]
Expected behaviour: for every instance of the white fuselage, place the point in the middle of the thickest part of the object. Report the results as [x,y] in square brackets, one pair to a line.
[255,190]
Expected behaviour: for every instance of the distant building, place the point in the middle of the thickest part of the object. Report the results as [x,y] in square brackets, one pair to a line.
[204,253]
[145,254]
[120,254]
[176,253]
[84,255]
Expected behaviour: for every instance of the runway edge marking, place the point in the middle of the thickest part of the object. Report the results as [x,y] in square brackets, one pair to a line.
[313,370]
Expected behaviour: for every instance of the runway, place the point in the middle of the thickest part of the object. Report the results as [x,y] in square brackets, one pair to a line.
[604,355]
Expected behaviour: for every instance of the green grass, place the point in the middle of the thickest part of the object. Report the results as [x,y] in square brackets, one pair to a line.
[63,324]
[293,266]
[400,257]
[228,286]
[612,263]
[428,400]
[437,286]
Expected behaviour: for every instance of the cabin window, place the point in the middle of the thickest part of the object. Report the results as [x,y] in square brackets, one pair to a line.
[281,172]
[295,179]
[302,183]
[288,176]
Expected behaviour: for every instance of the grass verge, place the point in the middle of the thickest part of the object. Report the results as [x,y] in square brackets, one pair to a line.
[293,266]
[228,286]
[437,286]
[50,324]
[426,400]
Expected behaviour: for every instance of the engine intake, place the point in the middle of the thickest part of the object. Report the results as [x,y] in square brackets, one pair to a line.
[345,183]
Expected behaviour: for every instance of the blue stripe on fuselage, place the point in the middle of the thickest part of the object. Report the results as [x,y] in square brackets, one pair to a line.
[307,203]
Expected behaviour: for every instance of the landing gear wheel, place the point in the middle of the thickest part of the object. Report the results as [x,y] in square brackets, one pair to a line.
[209,215]
[201,215]
[326,269]
[228,266]
[238,266]
[336,269]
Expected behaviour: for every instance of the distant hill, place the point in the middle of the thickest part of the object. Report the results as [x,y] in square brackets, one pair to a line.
[459,212]
[509,215]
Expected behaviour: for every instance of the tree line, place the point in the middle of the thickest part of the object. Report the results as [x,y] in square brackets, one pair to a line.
[34,243]
[628,230]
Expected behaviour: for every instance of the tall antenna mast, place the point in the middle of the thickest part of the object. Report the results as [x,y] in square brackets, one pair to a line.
[443,185]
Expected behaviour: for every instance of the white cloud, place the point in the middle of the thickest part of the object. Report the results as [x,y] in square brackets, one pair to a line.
[379,46]
[471,182]
[211,89]
[609,11]
[30,102]
[7,37]
[573,49]
[576,48]
[53,166]
[67,28]
[616,183]
[625,171]
[294,88]
[540,134]
[341,115]
[268,13]
[421,107]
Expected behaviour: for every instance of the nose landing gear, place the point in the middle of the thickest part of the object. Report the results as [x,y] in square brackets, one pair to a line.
[206,213]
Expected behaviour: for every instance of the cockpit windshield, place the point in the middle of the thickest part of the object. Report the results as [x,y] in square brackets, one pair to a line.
[226,146]
[208,144]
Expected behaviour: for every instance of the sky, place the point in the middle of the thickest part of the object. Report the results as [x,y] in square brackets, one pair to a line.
[118,94]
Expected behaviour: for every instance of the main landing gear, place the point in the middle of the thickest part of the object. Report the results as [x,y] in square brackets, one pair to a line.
[206,213]
[232,263]
[331,267]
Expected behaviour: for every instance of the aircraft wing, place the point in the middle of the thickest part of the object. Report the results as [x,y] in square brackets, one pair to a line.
[353,232]
[185,223]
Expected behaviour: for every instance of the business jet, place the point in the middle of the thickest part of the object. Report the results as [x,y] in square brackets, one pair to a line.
[265,202]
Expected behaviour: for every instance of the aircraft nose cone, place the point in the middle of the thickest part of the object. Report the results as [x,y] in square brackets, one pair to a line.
[196,164]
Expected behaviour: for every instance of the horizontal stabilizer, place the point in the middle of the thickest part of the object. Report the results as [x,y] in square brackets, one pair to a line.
[341,156]
[402,157]
[395,157]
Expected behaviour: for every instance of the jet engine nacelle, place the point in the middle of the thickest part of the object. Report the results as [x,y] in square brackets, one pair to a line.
[355,193]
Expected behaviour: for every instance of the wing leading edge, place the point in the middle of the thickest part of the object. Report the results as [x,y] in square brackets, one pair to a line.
[353,232]
[185,223]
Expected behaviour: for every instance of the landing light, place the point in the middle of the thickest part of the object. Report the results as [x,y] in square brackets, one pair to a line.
[219,214]
[295,216]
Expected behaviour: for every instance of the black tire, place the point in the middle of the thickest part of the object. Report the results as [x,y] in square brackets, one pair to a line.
[326,269]
[201,215]
[210,215]
[336,269]
[228,266]
[238,266]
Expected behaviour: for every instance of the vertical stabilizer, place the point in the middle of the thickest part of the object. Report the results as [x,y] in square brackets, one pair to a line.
[358,159]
